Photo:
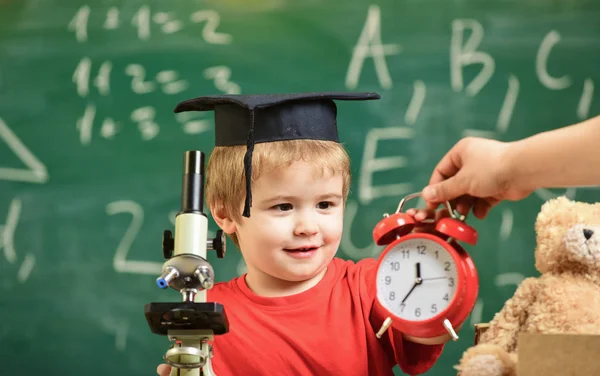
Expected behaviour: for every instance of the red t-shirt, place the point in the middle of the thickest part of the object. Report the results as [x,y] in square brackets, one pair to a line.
[326,330]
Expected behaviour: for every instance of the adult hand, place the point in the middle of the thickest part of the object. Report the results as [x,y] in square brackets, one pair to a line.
[163,370]
[476,173]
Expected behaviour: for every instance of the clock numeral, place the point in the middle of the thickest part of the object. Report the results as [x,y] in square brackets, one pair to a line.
[402,306]
[392,295]
[421,249]
[433,308]
[388,280]
[450,282]
[446,298]
[395,266]
[437,254]
[405,254]
[417,312]
[447,266]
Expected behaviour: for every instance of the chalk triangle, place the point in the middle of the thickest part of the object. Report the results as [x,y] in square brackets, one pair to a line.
[34,173]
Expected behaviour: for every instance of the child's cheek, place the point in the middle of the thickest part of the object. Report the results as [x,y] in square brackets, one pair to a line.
[333,227]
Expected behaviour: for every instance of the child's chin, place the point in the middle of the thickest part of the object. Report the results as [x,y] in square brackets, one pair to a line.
[305,275]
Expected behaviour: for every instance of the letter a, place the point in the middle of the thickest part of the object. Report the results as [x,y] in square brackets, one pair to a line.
[369,45]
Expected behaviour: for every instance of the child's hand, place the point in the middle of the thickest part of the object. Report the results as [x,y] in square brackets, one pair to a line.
[163,370]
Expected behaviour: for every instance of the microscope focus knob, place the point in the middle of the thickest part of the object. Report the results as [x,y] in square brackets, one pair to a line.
[168,244]
[218,243]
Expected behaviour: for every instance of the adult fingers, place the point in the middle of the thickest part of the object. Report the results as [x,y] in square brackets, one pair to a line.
[446,190]
[163,370]
[448,166]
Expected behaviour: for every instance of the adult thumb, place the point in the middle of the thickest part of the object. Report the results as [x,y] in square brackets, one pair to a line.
[445,191]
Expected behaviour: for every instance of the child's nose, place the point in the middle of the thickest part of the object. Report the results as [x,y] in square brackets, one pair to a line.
[306,225]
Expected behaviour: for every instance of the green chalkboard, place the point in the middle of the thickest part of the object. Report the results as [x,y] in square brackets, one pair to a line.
[90,151]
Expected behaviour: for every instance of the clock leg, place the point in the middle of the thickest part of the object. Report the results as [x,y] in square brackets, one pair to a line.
[450,330]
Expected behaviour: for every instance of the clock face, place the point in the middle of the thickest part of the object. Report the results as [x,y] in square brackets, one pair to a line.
[416,279]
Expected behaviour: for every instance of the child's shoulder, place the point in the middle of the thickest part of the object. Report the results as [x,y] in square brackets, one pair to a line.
[226,287]
[350,267]
[338,270]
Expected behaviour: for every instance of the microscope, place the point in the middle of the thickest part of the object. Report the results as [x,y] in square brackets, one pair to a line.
[190,325]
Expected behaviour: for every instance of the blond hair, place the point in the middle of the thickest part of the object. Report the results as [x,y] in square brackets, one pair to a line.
[225,177]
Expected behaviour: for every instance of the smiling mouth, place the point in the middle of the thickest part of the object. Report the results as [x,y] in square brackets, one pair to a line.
[303,249]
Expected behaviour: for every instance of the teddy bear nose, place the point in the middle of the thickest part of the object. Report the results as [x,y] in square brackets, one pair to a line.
[588,233]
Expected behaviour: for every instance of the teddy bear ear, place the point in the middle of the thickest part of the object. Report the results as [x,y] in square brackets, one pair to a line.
[550,209]
[554,203]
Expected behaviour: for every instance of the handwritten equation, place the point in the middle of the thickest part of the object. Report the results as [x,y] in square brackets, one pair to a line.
[166,81]
[145,21]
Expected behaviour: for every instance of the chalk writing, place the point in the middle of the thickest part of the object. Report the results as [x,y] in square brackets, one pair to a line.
[416,102]
[120,262]
[371,164]
[212,21]
[220,75]
[144,18]
[144,117]
[167,81]
[369,45]
[506,225]
[585,101]
[120,329]
[34,173]
[507,279]
[541,64]
[477,312]
[347,246]
[7,233]
[465,54]
[7,240]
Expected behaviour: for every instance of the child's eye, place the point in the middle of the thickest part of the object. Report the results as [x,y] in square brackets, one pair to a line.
[325,204]
[283,207]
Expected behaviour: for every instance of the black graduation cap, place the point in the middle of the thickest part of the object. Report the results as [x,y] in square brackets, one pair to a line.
[250,119]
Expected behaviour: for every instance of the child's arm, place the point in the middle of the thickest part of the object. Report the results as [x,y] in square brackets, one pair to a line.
[413,358]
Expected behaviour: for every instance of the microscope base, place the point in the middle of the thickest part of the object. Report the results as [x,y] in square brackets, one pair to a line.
[164,317]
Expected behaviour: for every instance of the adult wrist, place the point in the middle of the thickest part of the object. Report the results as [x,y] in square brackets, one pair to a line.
[515,174]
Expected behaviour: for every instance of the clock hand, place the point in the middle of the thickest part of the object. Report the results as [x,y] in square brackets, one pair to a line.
[431,279]
[411,290]
[418,281]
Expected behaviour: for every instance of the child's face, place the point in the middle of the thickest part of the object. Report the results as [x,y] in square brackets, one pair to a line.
[292,210]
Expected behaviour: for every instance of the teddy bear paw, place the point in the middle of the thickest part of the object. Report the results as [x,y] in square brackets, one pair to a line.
[483,365]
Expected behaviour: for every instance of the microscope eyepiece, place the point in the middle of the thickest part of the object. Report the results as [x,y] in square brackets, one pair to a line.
[192,195]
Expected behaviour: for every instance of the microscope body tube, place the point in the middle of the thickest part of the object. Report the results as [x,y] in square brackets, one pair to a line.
[191,223]
[191,235]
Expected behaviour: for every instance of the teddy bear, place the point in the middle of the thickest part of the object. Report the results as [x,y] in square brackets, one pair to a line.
[565,298]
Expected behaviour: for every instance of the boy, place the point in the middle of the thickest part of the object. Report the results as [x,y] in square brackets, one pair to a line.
[277,183]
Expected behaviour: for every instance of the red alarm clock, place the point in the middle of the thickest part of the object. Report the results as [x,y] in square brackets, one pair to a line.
[426,282]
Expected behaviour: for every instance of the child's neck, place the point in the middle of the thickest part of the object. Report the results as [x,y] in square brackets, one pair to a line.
[268,286]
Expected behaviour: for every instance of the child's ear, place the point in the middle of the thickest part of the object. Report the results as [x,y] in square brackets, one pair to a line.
[223,220]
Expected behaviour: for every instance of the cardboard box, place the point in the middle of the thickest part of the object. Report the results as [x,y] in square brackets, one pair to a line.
[558,355]
[555,354]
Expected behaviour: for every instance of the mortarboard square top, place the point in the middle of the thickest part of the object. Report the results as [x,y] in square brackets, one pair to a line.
[272,117]
[250,119]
